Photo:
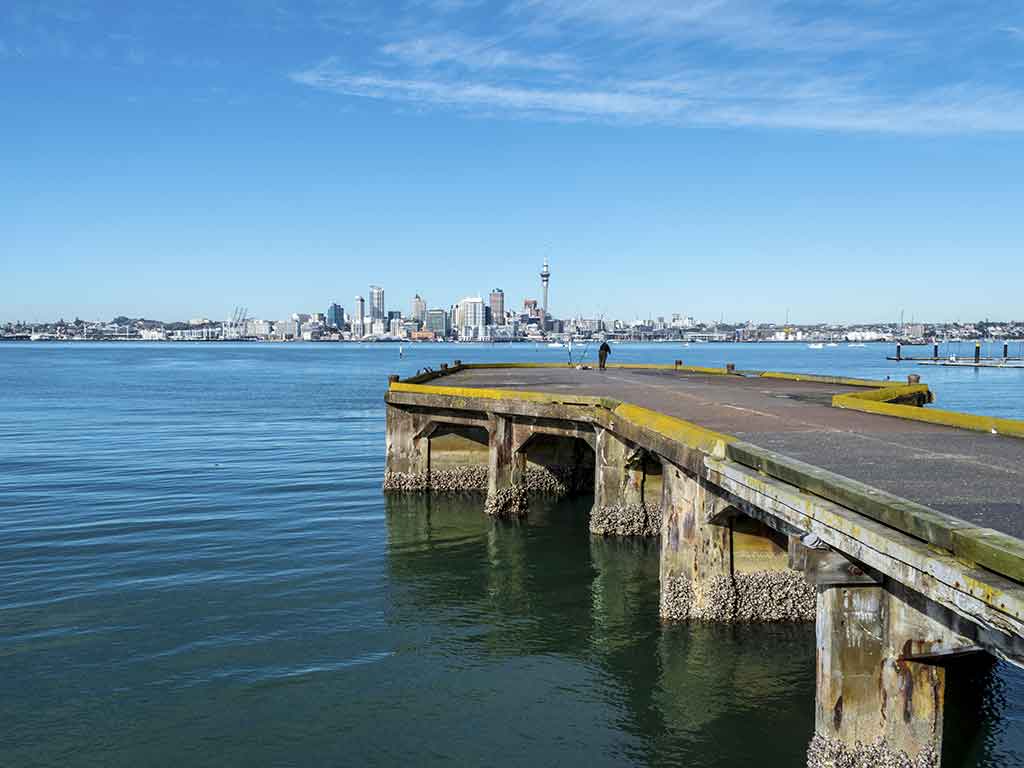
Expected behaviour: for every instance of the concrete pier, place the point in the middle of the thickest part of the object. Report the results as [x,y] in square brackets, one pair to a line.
[777,498]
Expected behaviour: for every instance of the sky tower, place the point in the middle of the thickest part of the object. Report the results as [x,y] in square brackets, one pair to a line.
[545,278]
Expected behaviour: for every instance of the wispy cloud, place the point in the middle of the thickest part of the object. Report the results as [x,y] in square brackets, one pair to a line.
[475,54]
[741,24]
[753,99]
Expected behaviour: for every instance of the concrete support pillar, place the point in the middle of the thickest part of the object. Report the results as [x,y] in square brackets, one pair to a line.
[878,703]
[620,505]
[719,566]
[506,494]
[407,466]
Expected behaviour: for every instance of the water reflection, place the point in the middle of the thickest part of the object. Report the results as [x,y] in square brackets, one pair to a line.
[547,588]
[705,695]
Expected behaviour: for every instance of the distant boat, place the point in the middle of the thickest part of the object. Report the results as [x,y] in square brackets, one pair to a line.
[832,344]
[856,345]
[815,346]
[556,345]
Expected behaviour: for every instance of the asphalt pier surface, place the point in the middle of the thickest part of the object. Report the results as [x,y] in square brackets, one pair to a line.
[974,476]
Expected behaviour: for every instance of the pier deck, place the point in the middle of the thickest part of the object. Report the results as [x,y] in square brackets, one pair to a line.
[975,476]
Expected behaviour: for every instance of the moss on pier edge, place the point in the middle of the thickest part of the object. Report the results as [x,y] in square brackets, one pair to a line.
[825,752]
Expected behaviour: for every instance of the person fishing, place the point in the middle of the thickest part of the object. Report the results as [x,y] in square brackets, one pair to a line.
[602,354]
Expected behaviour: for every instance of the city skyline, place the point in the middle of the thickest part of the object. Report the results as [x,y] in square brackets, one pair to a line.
[842,163]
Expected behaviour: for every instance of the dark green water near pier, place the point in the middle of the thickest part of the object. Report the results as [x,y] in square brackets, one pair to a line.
[198,567]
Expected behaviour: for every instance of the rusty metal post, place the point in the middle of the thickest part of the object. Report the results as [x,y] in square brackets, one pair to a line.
[977,352]
[899,351]
[1006,350]
[935,351]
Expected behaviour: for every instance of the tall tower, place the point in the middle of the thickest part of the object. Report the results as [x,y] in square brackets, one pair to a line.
[545,277]
[376,303]
[498,306]
[359,318]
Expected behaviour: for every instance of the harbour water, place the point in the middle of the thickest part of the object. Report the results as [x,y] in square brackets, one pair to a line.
[198,567]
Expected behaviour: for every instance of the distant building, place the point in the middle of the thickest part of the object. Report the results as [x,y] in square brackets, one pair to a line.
[335,316]
[376,303]
[418,309]
[395,326]
[471,323]
[379,327]
[359,318]
[437,322]
[286,329]
[497,306]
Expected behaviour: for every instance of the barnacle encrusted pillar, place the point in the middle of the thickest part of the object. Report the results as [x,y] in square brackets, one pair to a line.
[718,565]
[407,466]
[506,494]
[620,504]
[880,695]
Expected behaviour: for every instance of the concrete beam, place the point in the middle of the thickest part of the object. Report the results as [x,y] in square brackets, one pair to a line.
[718,566]
[988,606]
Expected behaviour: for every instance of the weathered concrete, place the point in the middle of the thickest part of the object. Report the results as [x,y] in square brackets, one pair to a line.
[627,489]
[872,692]
[720,566]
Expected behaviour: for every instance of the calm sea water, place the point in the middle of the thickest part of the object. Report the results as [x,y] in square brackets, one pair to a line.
[198,567]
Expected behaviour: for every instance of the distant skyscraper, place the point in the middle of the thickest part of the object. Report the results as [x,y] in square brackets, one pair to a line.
[471,318]
[359,318]
[377,303]
[419,309]
[437,321]
[335,316]
[498,306]
[545,278]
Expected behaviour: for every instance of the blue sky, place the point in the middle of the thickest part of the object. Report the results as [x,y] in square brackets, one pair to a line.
[840,160]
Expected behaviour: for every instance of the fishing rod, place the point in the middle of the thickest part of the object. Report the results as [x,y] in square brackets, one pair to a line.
[586,347]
